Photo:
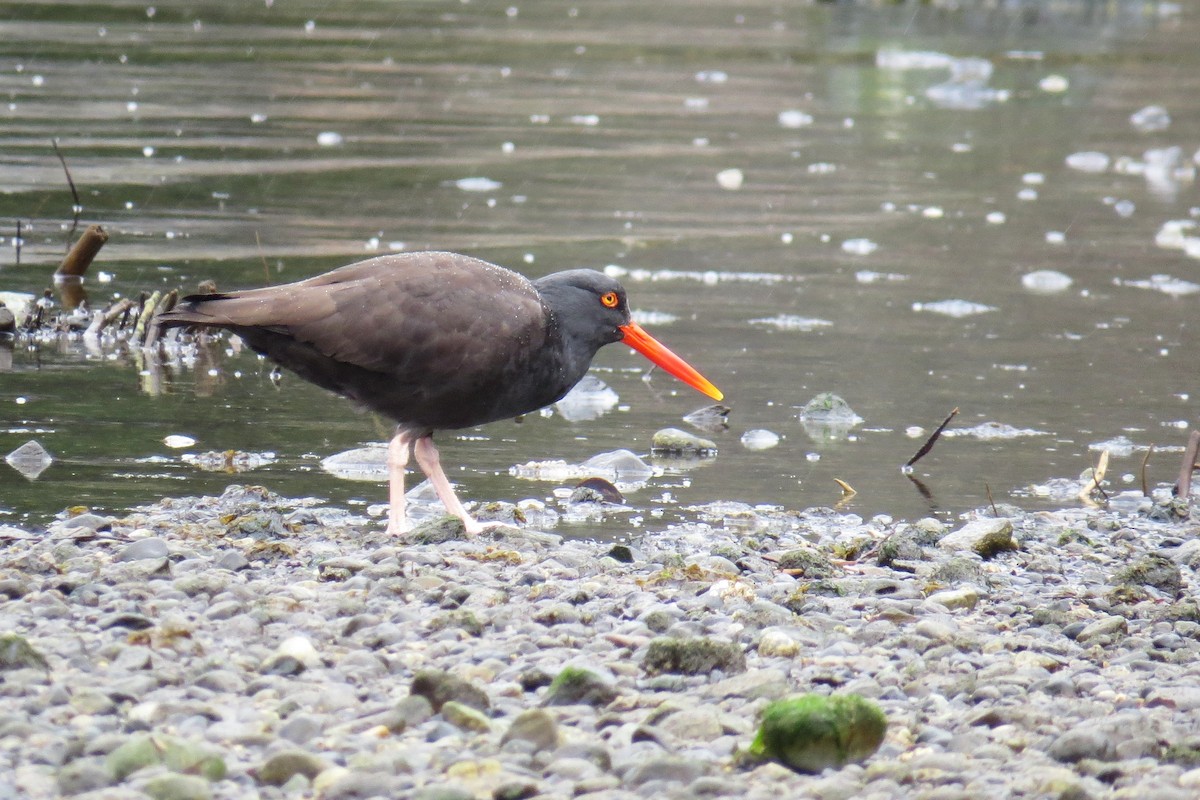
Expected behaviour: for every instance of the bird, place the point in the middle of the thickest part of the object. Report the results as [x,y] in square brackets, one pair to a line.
[435,341]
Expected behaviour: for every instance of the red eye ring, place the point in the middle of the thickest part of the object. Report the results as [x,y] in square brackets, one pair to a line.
[609,300]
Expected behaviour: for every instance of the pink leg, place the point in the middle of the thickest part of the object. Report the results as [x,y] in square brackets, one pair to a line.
[398,450]
[427,457]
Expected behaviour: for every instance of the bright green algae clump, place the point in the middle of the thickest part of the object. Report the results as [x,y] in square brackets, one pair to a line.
[811,732]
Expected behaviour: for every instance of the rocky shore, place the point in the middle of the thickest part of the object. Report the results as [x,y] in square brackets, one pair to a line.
[249,646]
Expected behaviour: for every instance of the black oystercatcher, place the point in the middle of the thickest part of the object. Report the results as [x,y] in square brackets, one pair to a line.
[435,341]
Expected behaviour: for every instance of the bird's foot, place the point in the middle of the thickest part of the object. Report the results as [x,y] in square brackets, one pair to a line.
[443,529]
[395,528]
[474,527]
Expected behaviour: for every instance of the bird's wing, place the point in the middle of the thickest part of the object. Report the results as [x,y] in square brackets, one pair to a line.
[406,314]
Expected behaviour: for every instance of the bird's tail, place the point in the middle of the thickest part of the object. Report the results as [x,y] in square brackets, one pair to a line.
[196,309]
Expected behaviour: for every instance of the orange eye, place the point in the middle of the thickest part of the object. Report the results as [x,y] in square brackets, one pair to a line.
[609,299]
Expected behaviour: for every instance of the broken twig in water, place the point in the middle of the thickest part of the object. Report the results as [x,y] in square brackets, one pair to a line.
[68,278]
[78,206]
[266,270]
[1183,484]
[1145,461]
[1098,473]
[102,319]
[933,437]
[80,257]
[991,502]
[147,310]
[154,328]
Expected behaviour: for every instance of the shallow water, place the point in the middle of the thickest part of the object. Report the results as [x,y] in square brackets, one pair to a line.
[883,171]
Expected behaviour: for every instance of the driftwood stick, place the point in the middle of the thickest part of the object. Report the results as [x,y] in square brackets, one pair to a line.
[139,330]
[933,437]
[154,329]
[102,319]
[1183,484]
[1098,473]
[1145,461]
[77,208]
[76,262]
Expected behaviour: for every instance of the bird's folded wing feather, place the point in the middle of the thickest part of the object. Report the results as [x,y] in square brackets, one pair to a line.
[419,313]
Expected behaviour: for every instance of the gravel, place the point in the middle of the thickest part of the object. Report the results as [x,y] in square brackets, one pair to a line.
[248,646]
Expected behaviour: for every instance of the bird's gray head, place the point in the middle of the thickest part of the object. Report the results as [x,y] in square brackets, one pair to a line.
[587,306]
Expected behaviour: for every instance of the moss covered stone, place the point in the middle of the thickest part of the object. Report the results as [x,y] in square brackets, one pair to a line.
[465,718]
[899,547]
[173,786]
[811,732]
[286,764]
[459,618]
[439,687]
[438,531]
[807,562]
[576,686]
[1153,571]
[178,755]
[697,656]
[17,653]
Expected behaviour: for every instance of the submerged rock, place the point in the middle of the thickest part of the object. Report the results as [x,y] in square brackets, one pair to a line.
[829,407]
[811,732]
[1046,281]
[710,419]
[596,490]
[360,464]
[590,399]
[828,418]
[228,460]
[759,439]
[677,443]
[18,304]
[623,466]
[30,459]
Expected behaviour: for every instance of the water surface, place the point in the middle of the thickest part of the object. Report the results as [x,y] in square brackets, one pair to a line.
[254,143]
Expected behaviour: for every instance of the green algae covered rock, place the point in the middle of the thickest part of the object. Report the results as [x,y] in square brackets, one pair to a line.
[178,755]
[578,686]
[17,653]
[811,732]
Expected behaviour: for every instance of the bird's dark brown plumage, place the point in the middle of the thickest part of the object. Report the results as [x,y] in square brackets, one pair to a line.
[434,340]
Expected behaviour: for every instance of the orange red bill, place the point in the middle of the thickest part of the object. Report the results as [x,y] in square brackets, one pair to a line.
[637,338]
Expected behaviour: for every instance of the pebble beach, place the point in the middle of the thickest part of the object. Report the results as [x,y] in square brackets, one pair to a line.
[252,646]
